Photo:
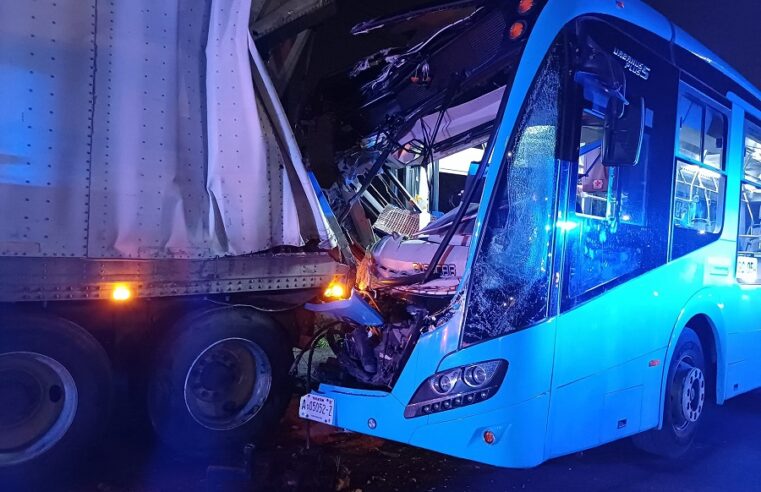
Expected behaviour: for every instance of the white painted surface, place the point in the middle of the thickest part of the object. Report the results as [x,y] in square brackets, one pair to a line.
[132,130]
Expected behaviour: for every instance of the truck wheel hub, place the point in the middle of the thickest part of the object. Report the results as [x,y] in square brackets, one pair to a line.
[38,402]
[217,377]
[21,393]
[228,384]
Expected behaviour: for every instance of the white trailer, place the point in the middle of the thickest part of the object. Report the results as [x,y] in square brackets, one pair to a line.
[156,219]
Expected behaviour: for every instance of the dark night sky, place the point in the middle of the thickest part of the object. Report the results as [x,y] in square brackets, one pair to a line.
[730,28]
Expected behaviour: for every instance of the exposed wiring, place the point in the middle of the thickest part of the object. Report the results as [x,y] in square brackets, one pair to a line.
[370,300]
[213,301]
[395,61]
[257,308]
[313,345]
[276,310]
[294,367]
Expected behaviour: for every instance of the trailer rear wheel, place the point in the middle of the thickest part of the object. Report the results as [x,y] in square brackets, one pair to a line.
[55,390]
[220,381]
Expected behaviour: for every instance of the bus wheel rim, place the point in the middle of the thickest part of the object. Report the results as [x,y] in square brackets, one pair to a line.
[689,397]
[693,395]
[38,403]
[227,384]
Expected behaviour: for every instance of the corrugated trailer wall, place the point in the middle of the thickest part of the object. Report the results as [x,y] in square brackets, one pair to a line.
[131,129]
[47,62]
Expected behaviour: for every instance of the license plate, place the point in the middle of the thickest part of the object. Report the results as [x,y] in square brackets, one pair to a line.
[317,408]
[747,268]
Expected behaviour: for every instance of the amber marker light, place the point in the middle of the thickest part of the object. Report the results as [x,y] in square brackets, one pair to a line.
[489,437]
[525,6]
[335,291]
[517,30]
[121,293]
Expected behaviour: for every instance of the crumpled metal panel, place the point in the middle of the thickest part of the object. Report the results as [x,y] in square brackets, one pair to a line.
[149,152]
[237,158]
[133,131]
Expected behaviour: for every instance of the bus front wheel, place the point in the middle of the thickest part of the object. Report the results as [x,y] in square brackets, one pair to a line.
[686,392]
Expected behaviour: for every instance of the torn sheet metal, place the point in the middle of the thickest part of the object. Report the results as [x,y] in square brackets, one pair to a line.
[254,168]
[133,130]
[395,220]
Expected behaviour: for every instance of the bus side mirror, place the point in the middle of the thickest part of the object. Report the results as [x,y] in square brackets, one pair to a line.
[623,134]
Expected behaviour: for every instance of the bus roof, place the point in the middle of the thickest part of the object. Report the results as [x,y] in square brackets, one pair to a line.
[684,40]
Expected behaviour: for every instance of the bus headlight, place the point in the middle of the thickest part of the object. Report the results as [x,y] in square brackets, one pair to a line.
[446,382]
[461,386]
[475,376]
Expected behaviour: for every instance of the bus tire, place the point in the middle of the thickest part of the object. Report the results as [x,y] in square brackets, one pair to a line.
[55,396]
[220,380]
[685,400]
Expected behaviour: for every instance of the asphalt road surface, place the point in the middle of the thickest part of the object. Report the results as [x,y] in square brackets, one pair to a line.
[726,456]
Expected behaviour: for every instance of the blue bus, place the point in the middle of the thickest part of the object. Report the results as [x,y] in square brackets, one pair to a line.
[611,286]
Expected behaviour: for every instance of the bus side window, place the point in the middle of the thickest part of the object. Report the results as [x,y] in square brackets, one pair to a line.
[700,180]
[614,236]
[617,218]
[592,186]
[609,193]
[749,235]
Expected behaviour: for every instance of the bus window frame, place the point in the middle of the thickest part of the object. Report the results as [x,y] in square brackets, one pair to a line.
[691,90]
[752,120]
[566,302]
[748,119]
[597,114]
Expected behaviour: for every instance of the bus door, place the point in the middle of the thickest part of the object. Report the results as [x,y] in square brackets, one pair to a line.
[613,318]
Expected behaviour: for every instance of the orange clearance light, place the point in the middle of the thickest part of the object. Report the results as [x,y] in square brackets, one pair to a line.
[517,30]
[525,6]
[335,291]
[489,437]
[121,293]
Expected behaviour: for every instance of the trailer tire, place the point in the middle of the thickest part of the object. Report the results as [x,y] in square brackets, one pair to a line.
[220,381]
[55,396]
[685,399]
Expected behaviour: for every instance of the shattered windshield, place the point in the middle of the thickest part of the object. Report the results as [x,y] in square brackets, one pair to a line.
[510,279]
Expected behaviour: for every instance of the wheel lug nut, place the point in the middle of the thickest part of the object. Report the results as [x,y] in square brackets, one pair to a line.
[55,393]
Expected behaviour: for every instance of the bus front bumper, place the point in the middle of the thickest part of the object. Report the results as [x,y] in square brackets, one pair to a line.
[518,430]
